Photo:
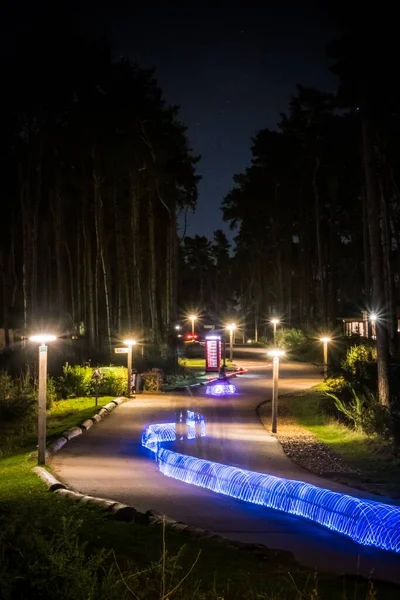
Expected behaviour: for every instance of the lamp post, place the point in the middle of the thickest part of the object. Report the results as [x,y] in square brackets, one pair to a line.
[192,318]
[130,344]
[42,340]
[231,328]
[275,322]
[373,318]
[325,341]
[276,354]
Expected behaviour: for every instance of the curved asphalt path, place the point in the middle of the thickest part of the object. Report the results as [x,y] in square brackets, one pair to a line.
[109,461]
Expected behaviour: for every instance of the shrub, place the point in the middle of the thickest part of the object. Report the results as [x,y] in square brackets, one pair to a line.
[290,338]
[113,383]
[359,366]
[153,380]
[17,397]
[363,412]
[352,411]
[75,381]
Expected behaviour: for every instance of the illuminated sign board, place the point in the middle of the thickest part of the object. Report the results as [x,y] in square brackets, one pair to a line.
[213,353]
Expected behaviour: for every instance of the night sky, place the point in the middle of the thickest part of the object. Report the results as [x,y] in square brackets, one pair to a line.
[232,69]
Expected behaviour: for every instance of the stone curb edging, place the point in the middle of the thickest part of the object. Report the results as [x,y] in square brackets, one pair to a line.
[126,513]
[129,514]
[69,434]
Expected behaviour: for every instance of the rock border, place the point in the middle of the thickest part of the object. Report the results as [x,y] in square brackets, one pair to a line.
[126,513]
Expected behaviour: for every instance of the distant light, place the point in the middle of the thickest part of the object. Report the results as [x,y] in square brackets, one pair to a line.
[373,317]
[276,352]
[43,338]
[249,341]
[179,335]
[275,321]
[130,342]
[325,339]
[213,337]
[177,327]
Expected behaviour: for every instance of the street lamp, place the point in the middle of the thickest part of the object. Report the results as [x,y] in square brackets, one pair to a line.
[325,341]
[130,344]
[276,354]
[275,322]
[42,340]
[192,318]
[373,317]
[231,328]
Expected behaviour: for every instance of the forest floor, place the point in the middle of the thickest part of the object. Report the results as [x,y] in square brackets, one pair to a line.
[332,450]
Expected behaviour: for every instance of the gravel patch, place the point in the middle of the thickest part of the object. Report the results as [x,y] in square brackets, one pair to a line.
[300,445]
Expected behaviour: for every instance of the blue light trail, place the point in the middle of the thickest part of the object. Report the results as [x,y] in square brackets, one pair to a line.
[364,521]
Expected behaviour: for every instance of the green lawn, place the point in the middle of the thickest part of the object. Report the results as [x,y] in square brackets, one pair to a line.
[200,363]
[68,413]
[365,454]
[52,548]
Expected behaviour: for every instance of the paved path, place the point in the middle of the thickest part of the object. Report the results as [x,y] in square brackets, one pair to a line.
[109,461]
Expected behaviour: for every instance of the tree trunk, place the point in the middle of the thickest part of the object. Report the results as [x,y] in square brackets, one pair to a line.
[319,274]
[153,272]
[367,267]
[378,294]
[88,275]
[137,283]
[98,206]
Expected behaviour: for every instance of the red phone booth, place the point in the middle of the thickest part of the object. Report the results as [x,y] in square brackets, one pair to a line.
[213,352]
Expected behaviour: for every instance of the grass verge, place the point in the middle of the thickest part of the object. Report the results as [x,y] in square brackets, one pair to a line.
[200,363]
[51,548]
[372,458]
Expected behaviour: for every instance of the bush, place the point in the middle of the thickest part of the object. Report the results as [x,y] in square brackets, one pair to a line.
[359,366]
[290,338]
[363,412]
[113,383]
[17,397]
[75,381]
[153,380]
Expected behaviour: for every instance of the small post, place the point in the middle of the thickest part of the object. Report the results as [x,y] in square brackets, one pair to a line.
[275,394]
[274,323]
[325,341]
[231,328]
[276,354]
[130,371]
[42,404]
[130,344]
[42,339]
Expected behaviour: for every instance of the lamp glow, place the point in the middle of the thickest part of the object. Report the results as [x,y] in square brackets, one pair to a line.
[325,339]
[275,352]
[373,317]
[42,338]
[130,342]
[275,321]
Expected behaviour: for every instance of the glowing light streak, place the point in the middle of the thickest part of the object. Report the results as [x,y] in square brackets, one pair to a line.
[220,389]
[364,521]
[158,433]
